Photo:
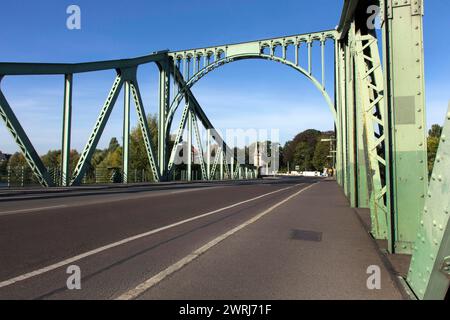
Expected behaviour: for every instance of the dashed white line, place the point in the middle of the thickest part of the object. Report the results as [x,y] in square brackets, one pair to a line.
[146,285]
[124,241]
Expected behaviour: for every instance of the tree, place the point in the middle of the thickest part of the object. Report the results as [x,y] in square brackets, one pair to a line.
[434,136]
[138,151]
[306,142]
[321,158]
[113,144]
[435,131]
[52,159]
[17,160]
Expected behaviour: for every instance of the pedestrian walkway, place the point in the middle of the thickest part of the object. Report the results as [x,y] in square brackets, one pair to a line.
[312,247]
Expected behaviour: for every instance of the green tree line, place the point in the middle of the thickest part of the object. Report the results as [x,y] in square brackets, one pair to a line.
[306,150]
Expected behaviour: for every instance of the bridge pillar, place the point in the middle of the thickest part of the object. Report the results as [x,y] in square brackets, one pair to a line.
[405,106]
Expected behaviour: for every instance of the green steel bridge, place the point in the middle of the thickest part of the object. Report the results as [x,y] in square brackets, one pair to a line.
[378,109]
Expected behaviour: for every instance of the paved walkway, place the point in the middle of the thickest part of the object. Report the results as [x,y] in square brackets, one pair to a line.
[312,247]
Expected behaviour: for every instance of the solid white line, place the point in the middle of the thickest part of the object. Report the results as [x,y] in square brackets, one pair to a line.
[144,286]
[124,241]
[4,213]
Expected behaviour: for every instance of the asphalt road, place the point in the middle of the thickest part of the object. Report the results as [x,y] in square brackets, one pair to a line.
[273,239]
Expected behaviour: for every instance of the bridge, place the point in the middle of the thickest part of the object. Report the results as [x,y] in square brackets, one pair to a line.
[231,235]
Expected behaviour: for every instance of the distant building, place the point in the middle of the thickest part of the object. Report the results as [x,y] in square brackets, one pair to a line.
[4,156]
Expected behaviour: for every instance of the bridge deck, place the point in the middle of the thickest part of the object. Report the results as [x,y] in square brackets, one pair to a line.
[312,247]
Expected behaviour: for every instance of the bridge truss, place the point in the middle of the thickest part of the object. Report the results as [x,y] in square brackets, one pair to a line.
[378,110]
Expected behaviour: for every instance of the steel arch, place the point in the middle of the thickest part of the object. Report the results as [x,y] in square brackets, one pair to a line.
[247,56]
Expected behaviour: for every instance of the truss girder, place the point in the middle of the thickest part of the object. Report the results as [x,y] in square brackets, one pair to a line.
[18,133]
[371,94]
[99,126]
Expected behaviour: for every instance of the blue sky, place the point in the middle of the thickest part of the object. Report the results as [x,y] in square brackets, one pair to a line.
[250,94]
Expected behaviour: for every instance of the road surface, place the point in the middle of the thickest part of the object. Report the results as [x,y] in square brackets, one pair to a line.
[287,238]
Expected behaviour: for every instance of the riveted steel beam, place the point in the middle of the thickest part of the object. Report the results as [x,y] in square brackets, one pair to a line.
[429,273]
[10,68]
[405,105]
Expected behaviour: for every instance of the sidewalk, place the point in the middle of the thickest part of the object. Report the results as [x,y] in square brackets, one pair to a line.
[312,247]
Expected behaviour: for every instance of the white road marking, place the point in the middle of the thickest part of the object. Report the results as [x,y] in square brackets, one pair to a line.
[144,286]
[124,241]
[4,213]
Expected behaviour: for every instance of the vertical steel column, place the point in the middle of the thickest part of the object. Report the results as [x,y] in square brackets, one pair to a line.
[405,106]
[337,98]
[208,150]
[309,56]
[164,104]
[232,166]
[351,120]
[343,78]
[322,53]
[126,130]
[66,131]
[360,93]
[189,147]
[221,161]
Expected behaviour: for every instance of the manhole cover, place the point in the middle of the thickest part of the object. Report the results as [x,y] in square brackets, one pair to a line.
[306,235]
